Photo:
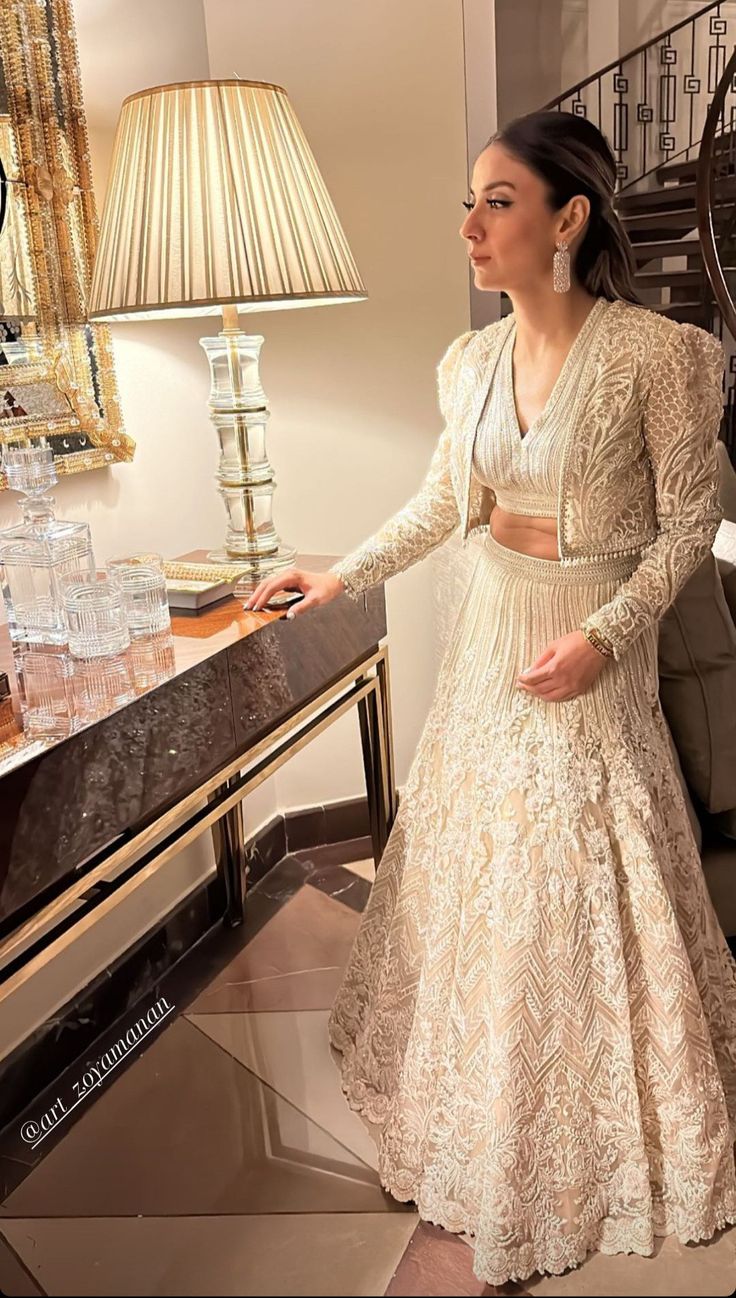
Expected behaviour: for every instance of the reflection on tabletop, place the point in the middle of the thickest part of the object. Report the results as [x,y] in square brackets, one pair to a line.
[65,694]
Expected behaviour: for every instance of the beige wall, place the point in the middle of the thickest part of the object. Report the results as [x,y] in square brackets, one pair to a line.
[642,19]
[481,100]
[528,55]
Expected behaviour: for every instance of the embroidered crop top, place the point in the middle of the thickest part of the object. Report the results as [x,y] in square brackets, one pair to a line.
[524,470]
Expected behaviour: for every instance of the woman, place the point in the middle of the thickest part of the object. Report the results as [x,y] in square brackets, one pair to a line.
[540,1006]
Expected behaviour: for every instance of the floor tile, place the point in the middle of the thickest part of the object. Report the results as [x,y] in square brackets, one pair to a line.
[366,869]
[291,1051]
[14,1276]
[281,883]
[341,883]
[438,1262]
[675,1269]
[315,1254]
[295,962]
[186,1129]
[435,1262]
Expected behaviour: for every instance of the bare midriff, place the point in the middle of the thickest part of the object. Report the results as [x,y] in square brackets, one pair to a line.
[525,532]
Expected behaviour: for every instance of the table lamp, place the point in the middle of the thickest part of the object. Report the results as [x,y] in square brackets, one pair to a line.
[215,204]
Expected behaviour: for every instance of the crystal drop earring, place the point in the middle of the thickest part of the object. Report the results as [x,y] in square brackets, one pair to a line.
[561,268]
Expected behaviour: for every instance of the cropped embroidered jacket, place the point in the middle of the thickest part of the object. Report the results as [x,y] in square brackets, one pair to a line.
[639,467]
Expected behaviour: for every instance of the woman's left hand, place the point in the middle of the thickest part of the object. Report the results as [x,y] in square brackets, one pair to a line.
[566,668]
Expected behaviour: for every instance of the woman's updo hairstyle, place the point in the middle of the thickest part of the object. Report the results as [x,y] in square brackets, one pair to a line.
[573,157]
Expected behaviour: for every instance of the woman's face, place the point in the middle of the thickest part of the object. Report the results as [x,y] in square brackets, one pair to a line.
[513,225]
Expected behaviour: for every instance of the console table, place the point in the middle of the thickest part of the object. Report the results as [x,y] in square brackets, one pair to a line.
[86,820]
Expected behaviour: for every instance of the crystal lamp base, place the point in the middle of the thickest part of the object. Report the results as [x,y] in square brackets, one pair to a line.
[239,412]
[264,565]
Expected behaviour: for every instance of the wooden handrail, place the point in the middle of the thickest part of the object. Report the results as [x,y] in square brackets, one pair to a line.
[631,54]
[704,201]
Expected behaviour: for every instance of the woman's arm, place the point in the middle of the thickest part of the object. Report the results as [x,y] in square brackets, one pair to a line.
[682,417]
[426,520]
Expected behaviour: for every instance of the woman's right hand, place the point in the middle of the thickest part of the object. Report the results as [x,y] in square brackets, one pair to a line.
[317,587]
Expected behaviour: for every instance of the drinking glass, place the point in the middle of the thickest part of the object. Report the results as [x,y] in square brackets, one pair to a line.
[95,615]
[142,584]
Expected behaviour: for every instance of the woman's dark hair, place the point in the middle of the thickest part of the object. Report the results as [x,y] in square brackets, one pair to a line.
[573,157]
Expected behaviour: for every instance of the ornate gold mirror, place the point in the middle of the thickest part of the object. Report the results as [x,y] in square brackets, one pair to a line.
[57,377]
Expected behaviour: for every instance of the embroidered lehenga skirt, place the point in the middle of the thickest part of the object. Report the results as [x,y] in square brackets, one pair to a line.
[540,1006]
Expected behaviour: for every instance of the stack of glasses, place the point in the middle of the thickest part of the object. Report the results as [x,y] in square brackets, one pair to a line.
[84,643]
[142,585]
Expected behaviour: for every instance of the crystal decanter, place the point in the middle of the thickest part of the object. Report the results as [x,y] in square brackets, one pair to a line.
[36,554]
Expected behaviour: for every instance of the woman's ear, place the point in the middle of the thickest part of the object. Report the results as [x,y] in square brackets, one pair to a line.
[575,218]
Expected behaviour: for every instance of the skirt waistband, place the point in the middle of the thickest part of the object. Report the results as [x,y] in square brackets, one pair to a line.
[576,571]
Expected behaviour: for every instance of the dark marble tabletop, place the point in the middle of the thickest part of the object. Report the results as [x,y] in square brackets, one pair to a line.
[229,675]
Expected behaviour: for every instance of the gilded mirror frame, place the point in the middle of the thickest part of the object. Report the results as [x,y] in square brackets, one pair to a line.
[57,376]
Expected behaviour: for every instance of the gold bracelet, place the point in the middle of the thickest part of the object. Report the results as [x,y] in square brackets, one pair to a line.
[604,640]
[598,641]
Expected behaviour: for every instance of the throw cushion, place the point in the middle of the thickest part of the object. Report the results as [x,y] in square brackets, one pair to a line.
[725,822]
[724,548]
[697,686]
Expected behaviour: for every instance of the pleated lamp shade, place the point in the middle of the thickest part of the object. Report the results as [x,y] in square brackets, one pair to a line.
[215,198]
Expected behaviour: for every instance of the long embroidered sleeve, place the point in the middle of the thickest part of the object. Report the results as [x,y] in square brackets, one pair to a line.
[682,415]
[428,518]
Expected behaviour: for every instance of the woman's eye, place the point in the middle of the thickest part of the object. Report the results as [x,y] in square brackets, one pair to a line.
[490,201]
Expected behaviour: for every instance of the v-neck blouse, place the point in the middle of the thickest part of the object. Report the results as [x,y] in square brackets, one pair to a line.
[524,470]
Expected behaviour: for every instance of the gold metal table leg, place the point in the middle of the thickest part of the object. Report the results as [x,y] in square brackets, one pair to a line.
[375,727]
[384,678]
[229,843]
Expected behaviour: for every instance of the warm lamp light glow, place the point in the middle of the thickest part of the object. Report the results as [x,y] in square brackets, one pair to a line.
[215,198]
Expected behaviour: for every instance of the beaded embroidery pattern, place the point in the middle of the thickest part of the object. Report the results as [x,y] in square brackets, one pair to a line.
[524,469]
[639,472]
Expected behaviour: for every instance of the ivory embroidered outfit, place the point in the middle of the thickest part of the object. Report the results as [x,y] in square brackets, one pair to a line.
[540,1005]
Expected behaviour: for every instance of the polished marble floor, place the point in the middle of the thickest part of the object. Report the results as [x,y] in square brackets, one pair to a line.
[223,1159]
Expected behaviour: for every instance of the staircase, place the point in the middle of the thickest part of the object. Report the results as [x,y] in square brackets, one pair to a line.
[662,224]
[668,108]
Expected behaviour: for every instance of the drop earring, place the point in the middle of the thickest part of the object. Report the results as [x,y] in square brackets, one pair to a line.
[561,268]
